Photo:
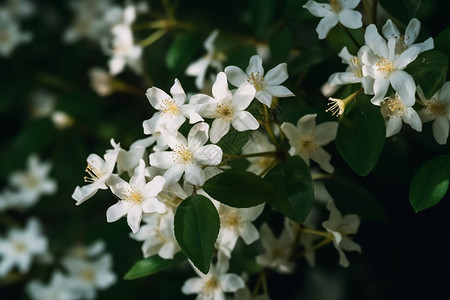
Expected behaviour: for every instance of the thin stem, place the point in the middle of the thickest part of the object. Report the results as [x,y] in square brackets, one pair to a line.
[371,10]
[153,37]
[269,128]
[350,36]
[325,234]
[313,248]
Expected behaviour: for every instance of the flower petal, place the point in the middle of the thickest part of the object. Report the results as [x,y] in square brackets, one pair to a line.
[279,91]
[255,65]
[325,132]
[326,24]
[134,218]
[393,126]
[318,9]
[231,282]
[405,86]
[153,205]
[220,89]
[441,129]
[350,18]
[219,128]
[209,155]
[236,76]
[194,174]
[162,160]
[380,87]
[243,97]
[117,211]
[277,75]
[244,120]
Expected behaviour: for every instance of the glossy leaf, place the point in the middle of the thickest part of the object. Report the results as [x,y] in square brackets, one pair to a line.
[402,10]
[307,59]
[430,183]
[238,189]
[181,52]
[293,188]
[361,135]
[429,70]
[352,198]
[152,265]
[196,227]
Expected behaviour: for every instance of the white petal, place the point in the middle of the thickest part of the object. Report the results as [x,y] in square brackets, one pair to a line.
[393,126]
[350,4]
[325,133]
[440,130]
[153,205]
[350,18]
[317,9]
[277,75]
[321,157]
[291,132]
[208,155]
[375,41]
[341,78]
[249,233]
[198,136]
[178,93]
[380,88]
[231,282]
[194,174]
[264,97]
[244,120]
[162,160]
[412,31]
[168,250]
[236,76]
[306,124]
[405,87]
[390,30]
[219,128]
[156,96]
[255,65]
[117,211]
[243,97]
[412,118]
[326,24]
[173,174]
[134,218]
[220,89]
[279,91]
[116,65]
[154,187]
[406,57]
[192,286]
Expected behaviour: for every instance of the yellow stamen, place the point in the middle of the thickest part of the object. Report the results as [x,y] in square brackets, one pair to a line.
[182,154]
[169,108]
[132,195]
[225,111]
[385,65]
[257,81]
[94,173]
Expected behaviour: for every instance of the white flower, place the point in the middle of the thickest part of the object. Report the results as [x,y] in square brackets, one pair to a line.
[306,140]
[136,197]
[127,161]
[227,108]
[394,112]
[187,156]
[265,86]
[42,103]
[99,172]
[386,67]
[60,288]
[404,41]
[101,81]
[172,110]
[235,223]
[10,34]
[256,144]
[337,11]
[158,236]
[215,283]
[437,109]
[340,227]
[33,182]
[278,251]
[90,275]
[353,74]
[19,8]
[199,67]
[20,247]
[122,48]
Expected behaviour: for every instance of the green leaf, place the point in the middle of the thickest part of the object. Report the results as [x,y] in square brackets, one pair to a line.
[280,45]
[293,188]
[181,52]
[233,141]
[442,41]
[430,183]
[261,13]
[238,189]
[361,134]
[429,70]
[196,227]
[402,10]
[352,198]
[152,265]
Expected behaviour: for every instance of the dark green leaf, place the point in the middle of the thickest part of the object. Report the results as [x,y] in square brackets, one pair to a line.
[430,183]
[293,188]
[233,141]
[181,52]
[152,265]
[429,70]
[238,189]
[402,10]
[442,41]
[280,45]
[361,134]
[196,227]
[261,13]
[352,198]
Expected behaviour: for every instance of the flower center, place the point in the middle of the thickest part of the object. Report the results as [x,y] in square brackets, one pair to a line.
[132,195]
[257,81]
[169,108]
[231,221]
[94,173]
[436,108]
[182,155]
[31,181]
[4,37]
[210,286]
[385,65]
[336,5]
[336,106]
[19,246]
[356,67]
[309,144]
[225,111]
[393,107]
[88,275]
[400,45]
